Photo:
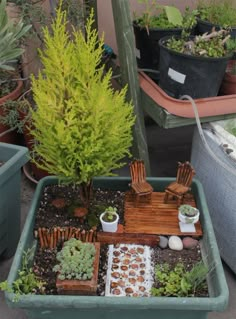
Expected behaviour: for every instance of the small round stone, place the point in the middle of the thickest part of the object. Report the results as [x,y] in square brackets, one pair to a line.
[190,243]
[163,243]
[175,243]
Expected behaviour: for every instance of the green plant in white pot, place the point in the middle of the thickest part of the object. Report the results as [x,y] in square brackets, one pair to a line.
[188,214]
[109,219]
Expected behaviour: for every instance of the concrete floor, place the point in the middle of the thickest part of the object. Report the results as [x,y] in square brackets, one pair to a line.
[166,148]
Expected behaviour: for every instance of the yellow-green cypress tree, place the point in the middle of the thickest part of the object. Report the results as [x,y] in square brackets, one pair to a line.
[82,127]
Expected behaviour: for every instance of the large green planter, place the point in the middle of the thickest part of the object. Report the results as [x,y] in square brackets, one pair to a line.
[14,158]
[91,307]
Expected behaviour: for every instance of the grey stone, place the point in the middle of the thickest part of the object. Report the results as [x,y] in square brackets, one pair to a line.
[175,243]
[163,243]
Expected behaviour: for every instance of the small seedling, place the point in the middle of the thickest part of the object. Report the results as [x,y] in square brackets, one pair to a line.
[110,214]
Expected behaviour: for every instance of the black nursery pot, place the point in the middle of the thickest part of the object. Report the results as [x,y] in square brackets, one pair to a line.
[206,26]
[147,47]
[182,74]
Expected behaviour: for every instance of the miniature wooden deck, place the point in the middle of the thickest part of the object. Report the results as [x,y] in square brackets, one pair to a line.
[156,217]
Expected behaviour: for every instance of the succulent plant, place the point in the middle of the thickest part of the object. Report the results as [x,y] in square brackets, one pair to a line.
[10,34]
[188,210]
[76,260]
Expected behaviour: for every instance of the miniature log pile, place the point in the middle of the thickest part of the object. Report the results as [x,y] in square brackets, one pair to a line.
[50,238]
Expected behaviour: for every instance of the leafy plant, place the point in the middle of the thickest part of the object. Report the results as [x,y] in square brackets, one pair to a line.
[76,260]
[110,214]
[10,35]
[83,127]
[165,17]
[222,13]
[27,282]
[206,45]
[178,282]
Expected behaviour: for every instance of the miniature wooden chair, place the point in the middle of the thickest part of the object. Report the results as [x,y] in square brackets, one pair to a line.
[139,185]
[182,184]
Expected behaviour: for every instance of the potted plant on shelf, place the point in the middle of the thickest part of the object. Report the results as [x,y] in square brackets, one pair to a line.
[109,219]
[228,85]
[10,85]
[194,66]
[156,22]
[12,158]
[77,268]
[216,14]
[188,214]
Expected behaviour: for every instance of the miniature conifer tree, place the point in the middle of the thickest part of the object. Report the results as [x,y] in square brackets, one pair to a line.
[82,127]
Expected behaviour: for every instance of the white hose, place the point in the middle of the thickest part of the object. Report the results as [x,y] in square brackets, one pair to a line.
[229,169]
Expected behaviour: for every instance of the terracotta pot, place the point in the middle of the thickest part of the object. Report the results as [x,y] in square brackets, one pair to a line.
[14,94]
[228,86]
[12,136]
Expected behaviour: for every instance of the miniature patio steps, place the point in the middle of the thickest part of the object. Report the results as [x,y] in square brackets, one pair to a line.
[156,217]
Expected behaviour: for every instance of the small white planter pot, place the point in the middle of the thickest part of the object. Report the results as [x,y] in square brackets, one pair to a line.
[189,220]
[109,226]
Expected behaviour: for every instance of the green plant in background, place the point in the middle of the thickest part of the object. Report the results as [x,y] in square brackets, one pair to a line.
[178,282]
[27,282]
[206,45]
[76,260]
[10,35]
[222,13]
[165,17]
[83,127]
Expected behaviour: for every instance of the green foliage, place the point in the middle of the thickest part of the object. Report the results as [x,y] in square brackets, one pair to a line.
[178,282]
[11,117]
[222,13]
[110,214]
[76,11]
[188,210]
[205,45]
[76,260]
[27,282]
[10,35]
[83,128]
[165,17]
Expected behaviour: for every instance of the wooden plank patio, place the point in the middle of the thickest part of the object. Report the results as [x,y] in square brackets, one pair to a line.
[155,217]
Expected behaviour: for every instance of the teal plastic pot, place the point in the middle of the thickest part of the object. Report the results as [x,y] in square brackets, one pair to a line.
[13,157]
[91,307]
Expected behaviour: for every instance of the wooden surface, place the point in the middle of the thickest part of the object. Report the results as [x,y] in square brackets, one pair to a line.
[124,238]
[156,218]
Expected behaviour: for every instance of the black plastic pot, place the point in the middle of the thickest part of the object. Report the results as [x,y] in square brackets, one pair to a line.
[147,47]
[206,26]
[196,76]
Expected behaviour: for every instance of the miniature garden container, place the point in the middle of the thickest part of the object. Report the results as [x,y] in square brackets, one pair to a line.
[13,157]
[50,307]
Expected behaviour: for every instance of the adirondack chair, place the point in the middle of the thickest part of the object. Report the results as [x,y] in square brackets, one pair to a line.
[182,184]
[139,185]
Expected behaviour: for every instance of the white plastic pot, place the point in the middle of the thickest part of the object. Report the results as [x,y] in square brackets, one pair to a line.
[189,220]
[109,226]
